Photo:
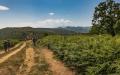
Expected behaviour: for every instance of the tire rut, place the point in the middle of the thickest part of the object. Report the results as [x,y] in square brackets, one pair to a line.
[29,61]
[6,57]
[57,67]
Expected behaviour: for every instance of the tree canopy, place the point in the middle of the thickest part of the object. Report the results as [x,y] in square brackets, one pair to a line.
[105,18]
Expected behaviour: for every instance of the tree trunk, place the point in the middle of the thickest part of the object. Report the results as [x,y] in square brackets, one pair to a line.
[113,32]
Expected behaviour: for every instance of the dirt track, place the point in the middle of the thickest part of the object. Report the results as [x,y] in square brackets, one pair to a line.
[25,68]
[17,45]
[4,58]
[56,67]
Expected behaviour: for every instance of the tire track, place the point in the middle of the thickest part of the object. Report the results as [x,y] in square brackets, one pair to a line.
[4,58]
[57,67]
[29,61]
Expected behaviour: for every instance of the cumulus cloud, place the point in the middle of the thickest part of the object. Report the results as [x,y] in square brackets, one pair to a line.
[51,14]
[3,8]
[46,23]
[50,23]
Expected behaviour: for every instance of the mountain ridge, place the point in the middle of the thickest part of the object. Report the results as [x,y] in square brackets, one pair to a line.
[18,32]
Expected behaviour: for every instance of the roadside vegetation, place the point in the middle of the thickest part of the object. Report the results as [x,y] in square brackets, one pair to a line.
[92,54]
[13,42]
[89,55]
[11,66]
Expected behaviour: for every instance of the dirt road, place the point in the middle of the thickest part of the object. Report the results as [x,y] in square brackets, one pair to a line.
[56,67]
[25,68]
[4,58]
[17,45]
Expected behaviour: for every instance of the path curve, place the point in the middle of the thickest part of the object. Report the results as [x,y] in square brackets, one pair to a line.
[56,67]
[4,58]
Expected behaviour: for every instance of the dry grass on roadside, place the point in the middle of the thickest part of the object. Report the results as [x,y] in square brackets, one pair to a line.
[41,67]
[11,50]
[11,66]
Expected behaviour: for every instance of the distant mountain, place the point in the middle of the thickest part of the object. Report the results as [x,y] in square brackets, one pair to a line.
[19,32]
[78,29]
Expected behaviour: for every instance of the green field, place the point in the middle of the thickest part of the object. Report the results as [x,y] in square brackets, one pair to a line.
[89,55]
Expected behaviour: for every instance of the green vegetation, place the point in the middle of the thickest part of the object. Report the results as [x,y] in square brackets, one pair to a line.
[106,17]
[87,55]
[12,41]
[1,44]
[21,33]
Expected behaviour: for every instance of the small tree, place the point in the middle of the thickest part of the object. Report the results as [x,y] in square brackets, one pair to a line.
[105,17]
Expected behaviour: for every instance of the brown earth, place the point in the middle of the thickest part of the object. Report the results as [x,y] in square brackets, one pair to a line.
[4,58]
[57,67]
[11,60]
[25,68]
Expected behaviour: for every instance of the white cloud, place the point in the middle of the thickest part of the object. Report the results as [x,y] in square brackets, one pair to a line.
[51,14]
[46,23]
[50,23]
[3,8]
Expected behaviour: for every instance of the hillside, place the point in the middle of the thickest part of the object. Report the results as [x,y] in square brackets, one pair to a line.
[78,29]
[15,32]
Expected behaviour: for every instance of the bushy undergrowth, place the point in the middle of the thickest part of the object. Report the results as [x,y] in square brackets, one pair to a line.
[12,42]
[87,55]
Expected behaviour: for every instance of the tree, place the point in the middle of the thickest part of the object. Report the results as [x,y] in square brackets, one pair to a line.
[105,17]
[117,27]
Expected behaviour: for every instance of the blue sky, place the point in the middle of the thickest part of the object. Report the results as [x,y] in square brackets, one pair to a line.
[46,13]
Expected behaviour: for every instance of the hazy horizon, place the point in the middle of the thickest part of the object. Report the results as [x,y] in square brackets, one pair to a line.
[43,27]
[46,13]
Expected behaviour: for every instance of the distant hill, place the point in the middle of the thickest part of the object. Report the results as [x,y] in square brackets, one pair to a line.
[21,32]
[40,30]
[14,32]
[78,29]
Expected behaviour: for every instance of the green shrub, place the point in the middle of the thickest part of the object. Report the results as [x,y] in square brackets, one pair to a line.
[89,55]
